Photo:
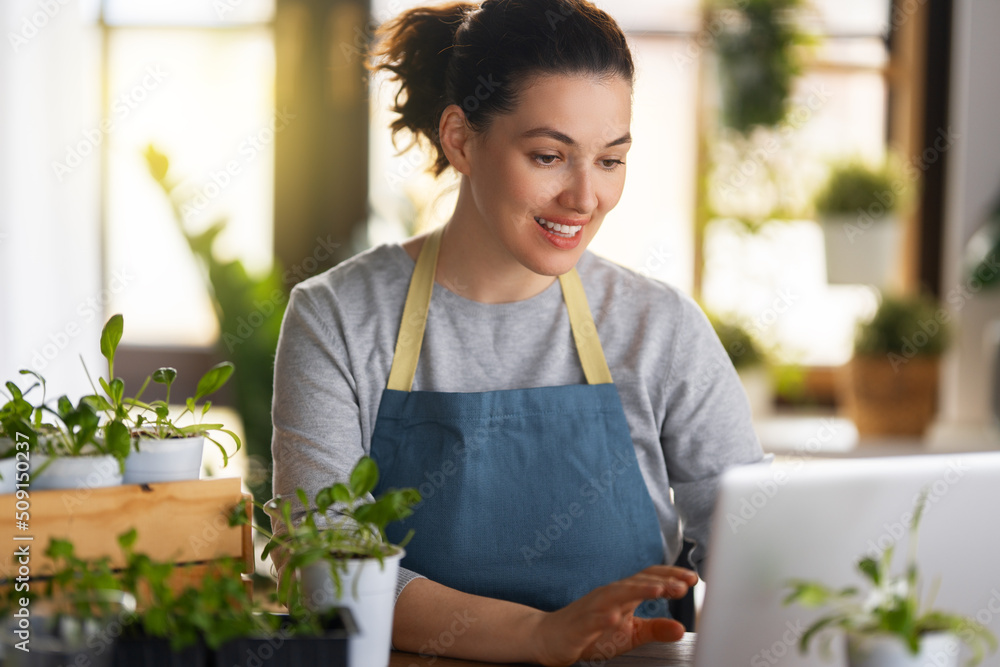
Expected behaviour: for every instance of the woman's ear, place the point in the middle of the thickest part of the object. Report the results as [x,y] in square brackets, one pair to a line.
[455,136]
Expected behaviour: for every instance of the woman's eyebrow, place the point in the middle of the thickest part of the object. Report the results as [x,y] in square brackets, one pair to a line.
[559,136]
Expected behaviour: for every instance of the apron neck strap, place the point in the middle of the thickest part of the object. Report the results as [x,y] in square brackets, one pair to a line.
[418,302]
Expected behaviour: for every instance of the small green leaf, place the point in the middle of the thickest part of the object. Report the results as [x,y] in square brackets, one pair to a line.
[870,568]
[111,335]
[14,391]
[213,380]
[364,477]
[324,499]
[165,375]
[341,493]
[127,539]
[117,439]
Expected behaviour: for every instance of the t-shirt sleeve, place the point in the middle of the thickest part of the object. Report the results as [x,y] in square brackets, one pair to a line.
[708,426]
[317,436]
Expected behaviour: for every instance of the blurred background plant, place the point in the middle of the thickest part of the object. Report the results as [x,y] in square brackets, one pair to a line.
[249,342]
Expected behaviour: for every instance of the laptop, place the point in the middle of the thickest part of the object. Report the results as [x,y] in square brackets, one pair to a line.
[814,519]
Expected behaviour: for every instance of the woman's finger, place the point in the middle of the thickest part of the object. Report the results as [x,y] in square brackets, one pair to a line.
[657,630]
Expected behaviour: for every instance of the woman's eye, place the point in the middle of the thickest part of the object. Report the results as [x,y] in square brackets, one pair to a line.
[546,160]
[610,164]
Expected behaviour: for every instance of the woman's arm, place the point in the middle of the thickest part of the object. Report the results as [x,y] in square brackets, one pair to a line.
[433,619]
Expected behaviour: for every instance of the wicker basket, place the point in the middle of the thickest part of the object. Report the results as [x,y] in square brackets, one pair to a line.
[883,400]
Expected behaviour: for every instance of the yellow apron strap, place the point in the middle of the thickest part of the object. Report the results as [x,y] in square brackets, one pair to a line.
[418,302]
[411,329]
[588,343]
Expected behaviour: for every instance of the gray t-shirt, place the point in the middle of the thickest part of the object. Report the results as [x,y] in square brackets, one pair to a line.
[688,415]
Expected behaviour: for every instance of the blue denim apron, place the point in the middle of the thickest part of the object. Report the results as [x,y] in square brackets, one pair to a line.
[529,495]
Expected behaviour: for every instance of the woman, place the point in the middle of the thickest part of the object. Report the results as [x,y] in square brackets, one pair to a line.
[546,401]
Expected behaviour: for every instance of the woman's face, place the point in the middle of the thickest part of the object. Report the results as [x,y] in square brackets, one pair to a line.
[544,176]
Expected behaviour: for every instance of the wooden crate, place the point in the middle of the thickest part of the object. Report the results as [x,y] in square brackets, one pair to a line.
[182,522]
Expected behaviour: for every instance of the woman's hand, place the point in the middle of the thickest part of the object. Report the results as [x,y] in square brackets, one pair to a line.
[601,624]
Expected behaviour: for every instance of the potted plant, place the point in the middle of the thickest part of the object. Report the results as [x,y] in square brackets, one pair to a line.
[17,435]
[161,450]
[887,627]
[856,207]
[749,361]
[889,387]
[338,555]
[70,452]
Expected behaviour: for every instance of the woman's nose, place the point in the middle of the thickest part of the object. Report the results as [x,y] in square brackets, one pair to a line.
[578,192]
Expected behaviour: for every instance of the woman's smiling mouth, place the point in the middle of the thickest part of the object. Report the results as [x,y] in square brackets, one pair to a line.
[563,231]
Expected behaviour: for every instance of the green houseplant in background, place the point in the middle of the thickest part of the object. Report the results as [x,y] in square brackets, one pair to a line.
[889,387]
[68,451]
[888,627]
[757,44]
[338,555]
[164,450]
[857,209]
[749,360]
[249,310]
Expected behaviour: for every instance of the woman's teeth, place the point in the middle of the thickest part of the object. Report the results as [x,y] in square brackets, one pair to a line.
[566,231]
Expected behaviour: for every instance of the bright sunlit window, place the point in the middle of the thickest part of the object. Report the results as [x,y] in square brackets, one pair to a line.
[196,79]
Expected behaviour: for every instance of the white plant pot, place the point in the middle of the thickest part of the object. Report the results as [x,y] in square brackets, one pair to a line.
[8,469]
[369,591]
[169,460]
[937,648]
[75,472]
[860,249]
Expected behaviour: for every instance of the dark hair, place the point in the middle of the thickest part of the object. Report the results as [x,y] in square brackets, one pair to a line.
[476,56]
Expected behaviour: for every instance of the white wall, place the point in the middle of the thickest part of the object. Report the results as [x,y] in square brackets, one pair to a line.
[49,228]
[973,185]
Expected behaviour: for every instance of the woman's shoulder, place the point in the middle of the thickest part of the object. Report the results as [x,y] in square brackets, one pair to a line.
[607,282]
[376,270]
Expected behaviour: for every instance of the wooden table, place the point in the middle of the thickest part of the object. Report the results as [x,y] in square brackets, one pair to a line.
[678,654]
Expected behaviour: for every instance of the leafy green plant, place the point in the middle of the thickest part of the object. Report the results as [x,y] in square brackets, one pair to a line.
[19,420]
[236,294]
[854,186]
[340,525]
[758,45]
[904,326]
[891,608]
[215,611]
[743,351]
[130,420]
[73,432]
